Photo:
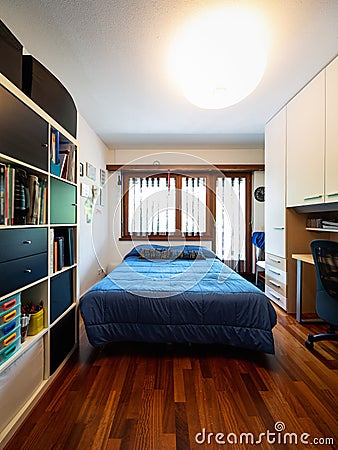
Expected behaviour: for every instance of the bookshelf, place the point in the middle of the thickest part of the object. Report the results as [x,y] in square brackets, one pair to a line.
[38,259]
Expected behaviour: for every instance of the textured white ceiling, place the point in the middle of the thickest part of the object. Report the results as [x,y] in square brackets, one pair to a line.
[111,56]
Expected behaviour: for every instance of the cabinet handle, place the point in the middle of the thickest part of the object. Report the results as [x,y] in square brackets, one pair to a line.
[314,197]
[274,271]
[9,351]
[274,284]
[9,305]
[278,228]
[28,270]
[74,204]
[10,339]
[273,295]
[275,260]
[27,242]
[334,194]
[8,317]
[44,145]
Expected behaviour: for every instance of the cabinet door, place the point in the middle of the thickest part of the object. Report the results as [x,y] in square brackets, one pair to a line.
[331,163]
[305,144]
[275,154]
[23,134]
[62,202]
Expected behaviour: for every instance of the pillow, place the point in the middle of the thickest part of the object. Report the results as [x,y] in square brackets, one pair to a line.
[142,247]
[159,253]
[190,250]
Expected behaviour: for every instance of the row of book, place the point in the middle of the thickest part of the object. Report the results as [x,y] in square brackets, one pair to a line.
[322,223]
[62,248]
[62,157]
[23,197]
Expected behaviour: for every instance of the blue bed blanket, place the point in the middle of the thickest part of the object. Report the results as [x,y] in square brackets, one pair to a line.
[180,300]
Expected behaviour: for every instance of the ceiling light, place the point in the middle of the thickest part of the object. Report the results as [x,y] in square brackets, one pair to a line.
[218,58]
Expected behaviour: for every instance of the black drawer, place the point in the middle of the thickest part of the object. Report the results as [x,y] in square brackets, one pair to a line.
[18,273]
[22,242]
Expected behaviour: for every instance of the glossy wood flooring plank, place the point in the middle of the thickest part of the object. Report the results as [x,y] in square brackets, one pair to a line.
[172,397]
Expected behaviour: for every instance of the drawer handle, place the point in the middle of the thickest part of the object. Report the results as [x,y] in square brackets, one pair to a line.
[274,284]
[334,194]
[27,242]
[314,197]
[9,351]
[9,304]
[10,339]
[275,260]
[8,328]
[278,228]
[275,296]
[274,271]
[28,270]
[9,316]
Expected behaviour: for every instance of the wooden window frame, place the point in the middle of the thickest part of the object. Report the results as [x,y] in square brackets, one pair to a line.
[126,236]
[211,173]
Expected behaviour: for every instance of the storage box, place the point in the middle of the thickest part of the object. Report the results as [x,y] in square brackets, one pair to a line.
[6,328]
[49,93]
[10,56]
[7,316]
[35,323]
[9,351]
[9,338]
[9,302]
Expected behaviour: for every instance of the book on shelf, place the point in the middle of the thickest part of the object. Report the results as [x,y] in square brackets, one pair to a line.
[68,171]
[21,197]
[67,236]
[322,223]
[330,223]
[2,193]
[54,148]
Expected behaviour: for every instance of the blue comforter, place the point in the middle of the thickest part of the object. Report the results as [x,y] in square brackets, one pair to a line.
[181,300]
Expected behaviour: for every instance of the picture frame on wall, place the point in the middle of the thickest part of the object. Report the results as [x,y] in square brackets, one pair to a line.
[102,177]
[91,171]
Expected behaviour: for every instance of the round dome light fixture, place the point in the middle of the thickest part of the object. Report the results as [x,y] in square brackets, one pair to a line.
[218,58]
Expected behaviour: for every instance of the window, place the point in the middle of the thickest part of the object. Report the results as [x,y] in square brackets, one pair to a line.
[206,205]
[165,204]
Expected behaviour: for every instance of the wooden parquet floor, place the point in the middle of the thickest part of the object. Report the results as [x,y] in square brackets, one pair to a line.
[163,397]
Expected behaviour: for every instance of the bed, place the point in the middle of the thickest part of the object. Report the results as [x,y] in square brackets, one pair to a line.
[175,295]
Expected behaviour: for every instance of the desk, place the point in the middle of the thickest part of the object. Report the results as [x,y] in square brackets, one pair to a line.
[308,259]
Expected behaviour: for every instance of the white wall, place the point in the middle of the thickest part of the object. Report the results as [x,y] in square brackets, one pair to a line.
[258,208]
[94,236]
[226,156]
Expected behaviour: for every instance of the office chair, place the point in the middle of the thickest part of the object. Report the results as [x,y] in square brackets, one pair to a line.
[325,255]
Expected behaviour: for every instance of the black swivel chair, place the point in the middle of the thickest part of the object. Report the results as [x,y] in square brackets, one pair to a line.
[325,255]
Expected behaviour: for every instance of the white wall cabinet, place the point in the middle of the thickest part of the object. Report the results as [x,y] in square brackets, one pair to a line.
[331,160]
[306,144]
[275,155]
[312,141]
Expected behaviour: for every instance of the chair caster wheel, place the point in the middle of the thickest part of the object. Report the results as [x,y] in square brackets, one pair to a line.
[309,342]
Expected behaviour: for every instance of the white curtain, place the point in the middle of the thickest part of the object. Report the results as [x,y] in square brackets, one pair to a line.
[151,206]
[230,220]
[193,206]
